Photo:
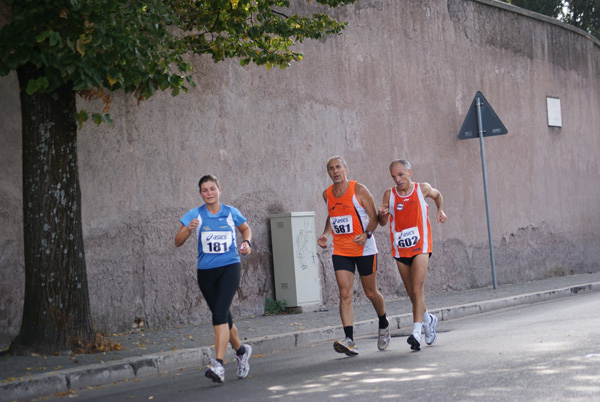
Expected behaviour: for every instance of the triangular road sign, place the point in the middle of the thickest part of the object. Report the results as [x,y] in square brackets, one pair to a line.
[490,122]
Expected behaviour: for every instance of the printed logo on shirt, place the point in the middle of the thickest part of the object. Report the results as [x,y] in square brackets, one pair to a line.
[340,220]
[217,237]
[399,207]
[336,204]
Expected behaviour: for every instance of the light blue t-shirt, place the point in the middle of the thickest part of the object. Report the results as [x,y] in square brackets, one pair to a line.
[216,235]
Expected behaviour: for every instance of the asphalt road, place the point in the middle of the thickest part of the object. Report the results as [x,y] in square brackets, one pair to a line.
[542,352]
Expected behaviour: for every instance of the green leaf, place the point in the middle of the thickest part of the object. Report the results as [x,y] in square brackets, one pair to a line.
[97,118]
[176,80]
[80,118]
[31,87]
[37,84]
[43,36]
[107,119]
[54,38]
[163,82]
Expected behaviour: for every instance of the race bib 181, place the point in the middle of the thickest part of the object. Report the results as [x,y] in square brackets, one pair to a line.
[341,224]
[216,242]
[407,238]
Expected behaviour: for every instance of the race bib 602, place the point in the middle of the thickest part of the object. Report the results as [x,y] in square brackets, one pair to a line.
[407,238]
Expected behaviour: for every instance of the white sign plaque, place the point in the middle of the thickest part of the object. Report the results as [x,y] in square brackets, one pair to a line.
[554,115]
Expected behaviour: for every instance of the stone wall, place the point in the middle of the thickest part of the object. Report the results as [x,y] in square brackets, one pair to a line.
[397,83]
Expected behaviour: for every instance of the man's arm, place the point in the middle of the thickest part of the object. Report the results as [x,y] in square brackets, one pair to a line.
[322,240]
[384,209]
[366,200]
[436,196]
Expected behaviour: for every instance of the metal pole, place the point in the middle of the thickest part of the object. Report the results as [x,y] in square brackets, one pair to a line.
[485,190]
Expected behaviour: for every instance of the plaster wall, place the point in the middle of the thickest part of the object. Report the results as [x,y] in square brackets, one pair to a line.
[397,83]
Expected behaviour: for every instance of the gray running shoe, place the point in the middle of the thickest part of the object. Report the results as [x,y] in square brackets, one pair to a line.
[384,338]
[414,340]
[346,346]
[216,372]
[243,367]
[430,335]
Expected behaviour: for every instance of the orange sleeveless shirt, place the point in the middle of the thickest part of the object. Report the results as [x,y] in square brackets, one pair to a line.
[348,218]
[410,230]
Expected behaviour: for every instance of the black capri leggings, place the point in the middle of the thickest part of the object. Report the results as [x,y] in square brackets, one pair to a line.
[218,286]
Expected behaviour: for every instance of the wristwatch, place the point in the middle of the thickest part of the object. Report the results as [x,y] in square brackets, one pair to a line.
[369,234]
[247,241]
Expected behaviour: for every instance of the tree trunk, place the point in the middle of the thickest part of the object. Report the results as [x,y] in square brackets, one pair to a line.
[56,313]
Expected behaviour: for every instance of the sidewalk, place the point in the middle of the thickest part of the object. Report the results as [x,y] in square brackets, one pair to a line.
[158,351]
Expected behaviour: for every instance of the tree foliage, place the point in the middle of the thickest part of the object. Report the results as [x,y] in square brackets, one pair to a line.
[140,46]
[584,14]
[551,8]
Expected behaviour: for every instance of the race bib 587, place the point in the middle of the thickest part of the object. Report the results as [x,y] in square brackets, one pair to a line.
[216,242]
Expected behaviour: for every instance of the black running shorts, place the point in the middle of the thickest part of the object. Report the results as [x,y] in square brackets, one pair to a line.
[366,264]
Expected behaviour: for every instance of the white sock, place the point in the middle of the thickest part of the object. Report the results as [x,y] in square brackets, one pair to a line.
[426,318]
[417,327]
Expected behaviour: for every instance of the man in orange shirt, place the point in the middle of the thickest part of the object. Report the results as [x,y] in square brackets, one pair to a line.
[410,232]
[352,219]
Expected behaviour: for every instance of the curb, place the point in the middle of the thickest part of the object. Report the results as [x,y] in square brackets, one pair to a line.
[103,373]
[160,363]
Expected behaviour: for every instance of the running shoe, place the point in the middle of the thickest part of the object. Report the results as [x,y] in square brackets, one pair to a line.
[430,335]
[384,338]
[346,346]
[216,371]
[414,340]
[243,367]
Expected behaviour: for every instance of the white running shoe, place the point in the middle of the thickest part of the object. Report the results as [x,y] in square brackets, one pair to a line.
[430,335]
[216,371]
[243,367]
[384,338]
[346,346]
[414,340]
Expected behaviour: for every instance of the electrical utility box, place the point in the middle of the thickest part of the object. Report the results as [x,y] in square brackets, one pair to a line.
[295,260]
